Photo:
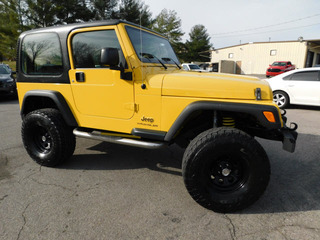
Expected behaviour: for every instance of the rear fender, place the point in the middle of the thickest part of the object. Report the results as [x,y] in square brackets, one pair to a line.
[30,103]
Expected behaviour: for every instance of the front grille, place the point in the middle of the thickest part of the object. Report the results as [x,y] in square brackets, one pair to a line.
[274,70]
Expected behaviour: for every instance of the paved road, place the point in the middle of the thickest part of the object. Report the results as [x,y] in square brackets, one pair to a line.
[108,191]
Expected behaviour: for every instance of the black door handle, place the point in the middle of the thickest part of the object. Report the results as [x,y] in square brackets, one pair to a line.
[80,77]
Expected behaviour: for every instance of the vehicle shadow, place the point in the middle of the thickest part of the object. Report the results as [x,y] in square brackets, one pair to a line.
[294,180]
[305,107]
[8,100]
[109,156]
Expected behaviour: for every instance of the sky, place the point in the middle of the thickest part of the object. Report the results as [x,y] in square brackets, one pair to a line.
[234,22]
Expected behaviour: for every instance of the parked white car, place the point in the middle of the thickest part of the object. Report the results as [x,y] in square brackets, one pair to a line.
[300,86]
[192,67]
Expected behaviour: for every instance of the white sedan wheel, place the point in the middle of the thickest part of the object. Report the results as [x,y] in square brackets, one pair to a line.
[281,99]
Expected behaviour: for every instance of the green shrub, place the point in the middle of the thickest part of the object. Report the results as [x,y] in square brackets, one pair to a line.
[12,64]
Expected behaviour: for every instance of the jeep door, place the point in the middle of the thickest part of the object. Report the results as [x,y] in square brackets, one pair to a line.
[99,90]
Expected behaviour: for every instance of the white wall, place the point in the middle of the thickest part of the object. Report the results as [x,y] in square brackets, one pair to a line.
[255,57]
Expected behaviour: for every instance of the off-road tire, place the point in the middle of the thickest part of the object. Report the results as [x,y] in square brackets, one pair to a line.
[47,138]
[281,99]
[225,169]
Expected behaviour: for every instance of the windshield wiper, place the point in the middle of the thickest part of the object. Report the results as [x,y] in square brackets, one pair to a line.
[167,59]
[150,56]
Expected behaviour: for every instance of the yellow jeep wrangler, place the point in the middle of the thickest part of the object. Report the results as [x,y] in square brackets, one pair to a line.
[118,82]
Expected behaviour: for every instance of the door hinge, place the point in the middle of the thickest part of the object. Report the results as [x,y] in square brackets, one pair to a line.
[132,106]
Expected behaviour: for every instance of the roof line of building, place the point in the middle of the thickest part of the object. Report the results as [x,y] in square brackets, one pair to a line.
[310,40]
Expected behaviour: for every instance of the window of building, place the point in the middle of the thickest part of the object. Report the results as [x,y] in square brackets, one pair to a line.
[41,54]
[230,55]
[273,52]
[318,59]
[86,48]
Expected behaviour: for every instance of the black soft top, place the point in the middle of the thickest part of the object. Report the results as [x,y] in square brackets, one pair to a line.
[64,30]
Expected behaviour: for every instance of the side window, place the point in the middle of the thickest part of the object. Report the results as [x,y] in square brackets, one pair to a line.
[41,54]
[306,76]
[86,48]
[288,77]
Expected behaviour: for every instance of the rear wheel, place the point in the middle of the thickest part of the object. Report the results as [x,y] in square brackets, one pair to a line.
[281,99]
[225,169]
[47,138]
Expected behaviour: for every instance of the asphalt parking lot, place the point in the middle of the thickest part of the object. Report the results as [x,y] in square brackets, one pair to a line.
[109,191]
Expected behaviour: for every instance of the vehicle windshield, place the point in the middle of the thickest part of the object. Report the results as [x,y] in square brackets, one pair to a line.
[4,70]
[147,44]
[193,66]
[282,64]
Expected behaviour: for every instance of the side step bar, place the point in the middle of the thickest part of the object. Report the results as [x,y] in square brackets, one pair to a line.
[118,140]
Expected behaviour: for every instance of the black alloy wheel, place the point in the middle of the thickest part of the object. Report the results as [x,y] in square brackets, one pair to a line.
[225,169]
[47,138]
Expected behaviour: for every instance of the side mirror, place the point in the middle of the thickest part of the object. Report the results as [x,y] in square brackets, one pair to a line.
[109,56]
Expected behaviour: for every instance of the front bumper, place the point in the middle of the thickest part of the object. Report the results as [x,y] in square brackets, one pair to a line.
[272,74]
[7,88]
[289,137]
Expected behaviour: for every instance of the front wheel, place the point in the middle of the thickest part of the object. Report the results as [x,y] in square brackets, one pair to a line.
[225,169]
[47,138]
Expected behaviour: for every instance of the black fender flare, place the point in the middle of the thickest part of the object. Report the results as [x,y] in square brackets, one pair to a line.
[255,110]
[57,98]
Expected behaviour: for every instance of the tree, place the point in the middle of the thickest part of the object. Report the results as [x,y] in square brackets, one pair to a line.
[9,28]
[199,42]
[71,11]
[169,25]
[135,11]
[40,13]
[104,9]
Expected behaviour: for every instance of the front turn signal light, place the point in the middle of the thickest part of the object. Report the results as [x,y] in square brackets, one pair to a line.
[269,116]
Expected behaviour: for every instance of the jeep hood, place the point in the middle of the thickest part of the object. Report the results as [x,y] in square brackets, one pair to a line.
[213,85]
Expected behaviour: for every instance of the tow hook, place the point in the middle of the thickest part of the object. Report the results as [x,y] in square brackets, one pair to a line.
[283,115]
[293,126]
